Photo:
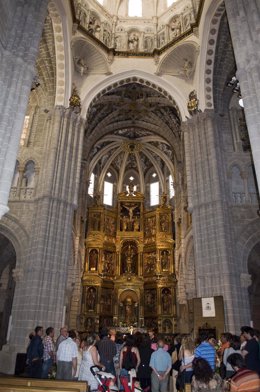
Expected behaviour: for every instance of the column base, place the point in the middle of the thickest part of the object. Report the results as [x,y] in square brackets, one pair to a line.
[8,359]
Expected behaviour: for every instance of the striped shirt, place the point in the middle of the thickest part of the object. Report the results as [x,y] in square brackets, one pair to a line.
[245,380]
[207,352]
[107,349]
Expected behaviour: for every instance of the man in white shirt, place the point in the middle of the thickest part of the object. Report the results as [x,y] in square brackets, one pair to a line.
[67,358]
[63,336]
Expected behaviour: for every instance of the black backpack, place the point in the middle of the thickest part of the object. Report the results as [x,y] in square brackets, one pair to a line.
[129,361]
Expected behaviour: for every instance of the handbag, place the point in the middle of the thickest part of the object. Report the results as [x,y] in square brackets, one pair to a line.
[180,380]
[222,370]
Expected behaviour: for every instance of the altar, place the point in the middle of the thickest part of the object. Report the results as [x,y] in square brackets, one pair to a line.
[129,279]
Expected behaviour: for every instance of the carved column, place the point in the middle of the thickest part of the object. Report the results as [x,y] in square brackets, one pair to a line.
[17,59]
[40,294]
[243,19]
[216,270]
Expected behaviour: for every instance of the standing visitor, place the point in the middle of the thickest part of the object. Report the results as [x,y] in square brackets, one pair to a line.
[234,348]
[244,379]
[250,351]
[144,371]
[204,379]
[186,356]
[129,356]
[161,364]
[67,358]
[35,354]
[48,352]
[63,336]
[107,351]
[206,351]
[90,358]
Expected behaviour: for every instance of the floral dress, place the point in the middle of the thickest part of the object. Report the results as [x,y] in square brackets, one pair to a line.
[215,384]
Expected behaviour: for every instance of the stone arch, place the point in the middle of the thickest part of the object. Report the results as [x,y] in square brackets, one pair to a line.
[17,234]
[7,284]
[254,288]
[234,163]
[224,68]
[208,50]
[246,239]
[56,11]
[190,272]
[135,76]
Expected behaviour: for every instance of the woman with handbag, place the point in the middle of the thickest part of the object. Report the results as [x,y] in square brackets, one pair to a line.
[186,356]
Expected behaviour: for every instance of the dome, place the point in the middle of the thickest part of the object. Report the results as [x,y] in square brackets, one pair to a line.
[136,26]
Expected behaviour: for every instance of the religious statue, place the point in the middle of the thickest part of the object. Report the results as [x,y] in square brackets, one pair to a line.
[193,103]
[90,324]
[167,326]
[186,69]
[81,65]
[150,263]
[93,260]
[131,191]
[129,259]
[165,260]
[130,208]
[166,301]
[133,43]
[150,300]
[175,27]
[108,267]
[74,101]
[129,311]
[164,222]
[95,222]
[136,224]
[91,298]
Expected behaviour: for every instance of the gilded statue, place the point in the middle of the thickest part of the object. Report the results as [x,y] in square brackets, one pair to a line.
[193,103]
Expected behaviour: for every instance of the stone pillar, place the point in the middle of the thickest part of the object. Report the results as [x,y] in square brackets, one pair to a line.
[17,59]
[215,263]
[40,292]
[244,19]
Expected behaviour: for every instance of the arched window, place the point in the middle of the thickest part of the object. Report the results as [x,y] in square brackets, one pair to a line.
[16,175]
[135,8]
[29,175]
[91,185]
[171,187]
[238,189]
[25,130]
[108,197]
[154,193]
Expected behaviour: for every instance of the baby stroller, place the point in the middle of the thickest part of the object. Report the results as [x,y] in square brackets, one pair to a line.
[129,382]
[106,381]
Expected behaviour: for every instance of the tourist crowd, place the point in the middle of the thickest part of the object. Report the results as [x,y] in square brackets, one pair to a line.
[232,364]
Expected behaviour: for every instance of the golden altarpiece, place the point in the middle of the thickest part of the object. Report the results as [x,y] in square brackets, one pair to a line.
[129,275]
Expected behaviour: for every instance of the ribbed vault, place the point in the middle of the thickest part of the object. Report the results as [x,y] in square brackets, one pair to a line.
[133,129]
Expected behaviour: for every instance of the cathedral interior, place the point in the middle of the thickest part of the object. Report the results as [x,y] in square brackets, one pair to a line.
[129,134]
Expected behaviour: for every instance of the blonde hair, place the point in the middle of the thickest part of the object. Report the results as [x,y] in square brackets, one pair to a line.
[187,343]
